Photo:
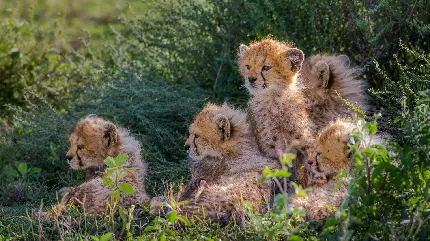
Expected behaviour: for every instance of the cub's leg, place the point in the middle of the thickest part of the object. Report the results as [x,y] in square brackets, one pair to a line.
[65,190]
[92,195]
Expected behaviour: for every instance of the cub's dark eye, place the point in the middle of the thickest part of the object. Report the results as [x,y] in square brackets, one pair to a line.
[196,136]
[266,67]
[80,147]
[247,66]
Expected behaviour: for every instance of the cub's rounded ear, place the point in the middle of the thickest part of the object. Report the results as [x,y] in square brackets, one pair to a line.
[110,136]
[223,124]
[296,57]
[345,60]
[242,49]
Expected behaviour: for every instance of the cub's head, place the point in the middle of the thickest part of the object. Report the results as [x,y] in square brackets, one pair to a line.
[91,141]
[217,131]
[269,64]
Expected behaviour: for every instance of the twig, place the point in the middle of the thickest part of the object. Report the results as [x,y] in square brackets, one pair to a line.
[217,75]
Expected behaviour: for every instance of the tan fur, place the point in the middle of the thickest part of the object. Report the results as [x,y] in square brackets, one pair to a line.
[320,78]
[91,141]
[333,153]
[225,166]
[333,148]
[321,201]
[277,110]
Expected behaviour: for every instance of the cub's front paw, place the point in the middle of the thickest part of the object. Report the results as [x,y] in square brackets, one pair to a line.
[317,176]
[65,190]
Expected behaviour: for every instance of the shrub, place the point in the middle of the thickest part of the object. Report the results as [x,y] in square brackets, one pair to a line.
[404,77]
[388,196]
[35,58]
[197,41]
[157,113]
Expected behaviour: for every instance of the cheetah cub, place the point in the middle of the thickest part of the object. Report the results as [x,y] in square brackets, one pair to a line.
[277,110]
[91,141]
[225,167]
[324,75]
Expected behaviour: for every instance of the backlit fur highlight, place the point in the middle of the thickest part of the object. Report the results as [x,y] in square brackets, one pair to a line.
[277,110]
[225,167]
[91,141]
[324,75]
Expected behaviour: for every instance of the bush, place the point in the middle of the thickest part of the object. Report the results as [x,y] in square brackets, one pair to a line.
[198,41]
[158,114]
[388,196]
[404,77]
[36,59]
[142,74]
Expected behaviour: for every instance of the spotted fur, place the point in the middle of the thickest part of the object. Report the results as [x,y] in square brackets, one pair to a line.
[225,166]
[324,75]
[277,110]
[91,141]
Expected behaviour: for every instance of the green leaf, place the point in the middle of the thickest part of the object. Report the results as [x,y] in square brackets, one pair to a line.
[148,228]
[22,168]
[287,159]
[266,171]
[372,128]
[126,188]
[295,238]
[115,195]
[172,216]
[121,159]
[170,232]
[110,162]
[284,173]
[13,173]
[34,170]
[330,222]
[358,158]
[162,237]
[109,171]
[108,182]
[123,213]
[342,173]
[105,237]
[337,186]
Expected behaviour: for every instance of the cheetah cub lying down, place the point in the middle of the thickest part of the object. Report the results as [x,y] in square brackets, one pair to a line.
[91,141]
[225,167]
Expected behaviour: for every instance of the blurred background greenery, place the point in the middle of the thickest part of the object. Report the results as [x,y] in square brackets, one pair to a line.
[151,65]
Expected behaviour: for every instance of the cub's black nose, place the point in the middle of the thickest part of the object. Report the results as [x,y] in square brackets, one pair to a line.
[252,80]
[187,146]
[69,158]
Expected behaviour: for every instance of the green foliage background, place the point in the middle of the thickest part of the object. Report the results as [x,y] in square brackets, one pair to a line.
[151,65]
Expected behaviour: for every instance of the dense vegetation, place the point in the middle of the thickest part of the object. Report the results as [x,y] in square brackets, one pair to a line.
[150,66]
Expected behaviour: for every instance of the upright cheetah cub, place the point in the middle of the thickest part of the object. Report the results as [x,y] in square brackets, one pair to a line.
[277,109]
[91,141]
[225,167]
[322,78]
